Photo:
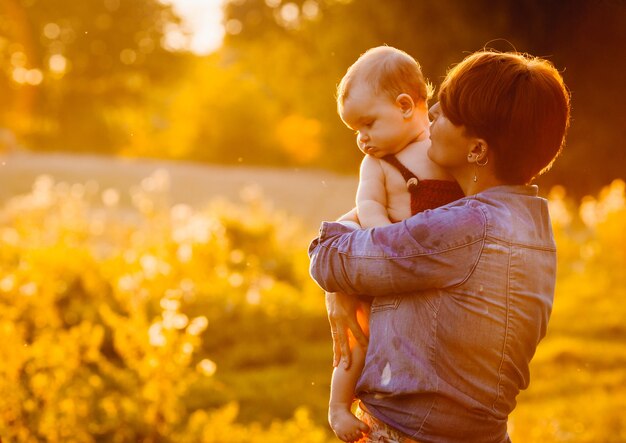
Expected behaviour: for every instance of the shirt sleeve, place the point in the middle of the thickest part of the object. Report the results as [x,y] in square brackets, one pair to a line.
[434,249]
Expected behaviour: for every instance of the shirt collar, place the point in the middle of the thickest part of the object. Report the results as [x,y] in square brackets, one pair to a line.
[531,190]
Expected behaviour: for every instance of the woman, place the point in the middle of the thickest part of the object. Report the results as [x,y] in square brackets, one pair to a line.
[462,293]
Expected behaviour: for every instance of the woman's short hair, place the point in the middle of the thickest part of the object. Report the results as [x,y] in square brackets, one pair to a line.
[518,103]
[386,70]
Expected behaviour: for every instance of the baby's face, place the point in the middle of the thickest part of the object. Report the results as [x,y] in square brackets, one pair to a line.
[378,121]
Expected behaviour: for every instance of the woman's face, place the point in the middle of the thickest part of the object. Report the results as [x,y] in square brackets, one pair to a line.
[449,144]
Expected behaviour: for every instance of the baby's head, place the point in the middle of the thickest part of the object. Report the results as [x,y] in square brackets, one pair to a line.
[388,71]
[384,98]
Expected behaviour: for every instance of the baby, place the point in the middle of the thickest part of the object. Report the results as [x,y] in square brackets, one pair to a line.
[383,97]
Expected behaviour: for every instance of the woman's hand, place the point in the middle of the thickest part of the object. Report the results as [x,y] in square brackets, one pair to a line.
[341,309]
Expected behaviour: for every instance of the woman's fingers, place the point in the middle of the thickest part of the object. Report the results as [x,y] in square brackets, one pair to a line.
[336,318]
[336,347]
[342,316]
[357,332]
[344,344]
[341,344]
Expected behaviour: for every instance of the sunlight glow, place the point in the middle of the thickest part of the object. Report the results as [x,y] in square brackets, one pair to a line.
[57,63]
[201,30]
[207,367]
[52,31]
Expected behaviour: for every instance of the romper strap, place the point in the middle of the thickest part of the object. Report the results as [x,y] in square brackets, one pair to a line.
[411,179]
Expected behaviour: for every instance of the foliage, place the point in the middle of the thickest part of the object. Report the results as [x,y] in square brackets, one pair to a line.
[203,117]
[67,66]
[110,315]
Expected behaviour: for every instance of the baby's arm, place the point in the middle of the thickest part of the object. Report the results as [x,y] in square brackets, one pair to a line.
[371,195]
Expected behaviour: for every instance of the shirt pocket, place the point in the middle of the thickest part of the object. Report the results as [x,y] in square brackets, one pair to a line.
[385,303]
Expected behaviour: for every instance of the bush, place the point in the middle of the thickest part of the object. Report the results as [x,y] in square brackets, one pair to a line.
[109,314]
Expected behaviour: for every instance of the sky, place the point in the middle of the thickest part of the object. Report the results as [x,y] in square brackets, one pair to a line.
[203,18]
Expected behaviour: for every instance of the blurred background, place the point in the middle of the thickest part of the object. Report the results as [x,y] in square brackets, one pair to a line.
[163,164]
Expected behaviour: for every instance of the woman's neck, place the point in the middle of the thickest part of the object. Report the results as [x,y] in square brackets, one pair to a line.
[483,181]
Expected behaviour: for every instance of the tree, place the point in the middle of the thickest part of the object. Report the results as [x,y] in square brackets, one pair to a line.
[70,66]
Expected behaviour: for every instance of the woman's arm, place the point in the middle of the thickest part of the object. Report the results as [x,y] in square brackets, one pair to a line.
[434,249]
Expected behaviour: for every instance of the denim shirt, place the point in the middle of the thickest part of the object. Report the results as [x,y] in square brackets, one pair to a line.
[462,295]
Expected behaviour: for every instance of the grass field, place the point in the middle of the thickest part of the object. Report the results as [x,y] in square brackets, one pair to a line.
[310,196]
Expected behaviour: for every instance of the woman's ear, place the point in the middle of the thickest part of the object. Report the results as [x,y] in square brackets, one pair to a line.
[406,104]
[478,152]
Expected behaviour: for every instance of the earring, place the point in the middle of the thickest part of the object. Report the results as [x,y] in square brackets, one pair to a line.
[481,165]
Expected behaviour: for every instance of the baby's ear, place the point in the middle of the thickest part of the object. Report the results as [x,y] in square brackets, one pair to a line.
[406,104]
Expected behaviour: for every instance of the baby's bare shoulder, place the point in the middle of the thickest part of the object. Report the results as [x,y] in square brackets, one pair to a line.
[371,164]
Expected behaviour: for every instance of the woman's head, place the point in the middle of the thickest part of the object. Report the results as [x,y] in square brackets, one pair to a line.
[515,102]
[389,71]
